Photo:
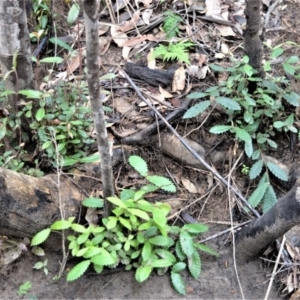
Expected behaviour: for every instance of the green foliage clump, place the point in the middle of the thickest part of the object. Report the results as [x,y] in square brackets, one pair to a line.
[176,51]
[170,24]
[136,235]
[254,118]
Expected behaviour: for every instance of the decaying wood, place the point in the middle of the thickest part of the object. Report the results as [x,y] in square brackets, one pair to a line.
[152,77]
[255,237]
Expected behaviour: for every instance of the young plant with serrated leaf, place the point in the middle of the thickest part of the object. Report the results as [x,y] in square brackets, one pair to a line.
[135,235]
[255,118]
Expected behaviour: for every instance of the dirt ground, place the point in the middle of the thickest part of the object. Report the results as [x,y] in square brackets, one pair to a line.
[218,279]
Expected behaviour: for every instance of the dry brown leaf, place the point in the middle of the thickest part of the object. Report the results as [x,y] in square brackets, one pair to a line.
[139,39]
[119,37]
[225,30]
[131,24]
[75,61]
[103,28]
[125,52]
[151,61]
[165,93]
[178,83]
[123,106]
[189,185]
[213,8]
[104,45]
[295,295]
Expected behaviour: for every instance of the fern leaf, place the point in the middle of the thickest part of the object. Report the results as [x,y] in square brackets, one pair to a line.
[178,283]
[228,103]
[277,171]
[256,169]
[258,194]
[78,270]
[196,109]
[269,199]
[194,264]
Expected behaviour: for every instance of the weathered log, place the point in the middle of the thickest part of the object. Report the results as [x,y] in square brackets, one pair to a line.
[256,236]
[29,204]
[152,77]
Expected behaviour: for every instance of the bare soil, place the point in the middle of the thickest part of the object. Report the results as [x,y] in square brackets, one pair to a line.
[218,279]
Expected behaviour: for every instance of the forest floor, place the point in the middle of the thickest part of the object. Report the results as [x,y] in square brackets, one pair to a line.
[220,277]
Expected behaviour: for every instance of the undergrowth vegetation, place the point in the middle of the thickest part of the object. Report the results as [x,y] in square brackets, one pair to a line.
[254,118]
[136,235]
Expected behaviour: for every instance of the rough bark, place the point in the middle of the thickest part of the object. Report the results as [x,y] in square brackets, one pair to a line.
[252,40]
[255,237]
[14,37]
[152,77]
[91,15]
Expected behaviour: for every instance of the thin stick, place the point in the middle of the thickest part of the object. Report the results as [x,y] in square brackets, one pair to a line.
[275,268]
[187,146]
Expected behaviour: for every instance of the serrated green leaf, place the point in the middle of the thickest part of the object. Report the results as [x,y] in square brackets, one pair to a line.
[61,225]
[79,228]
[194,264]
[179,252]
[256,169]
[112,222]
[92,251]
[220,129]
[82,251]
[289,68]
[159,240]
[30,93]
[242,134]
[127,194]
[161,263]
[228,103]
[146,251]
[82,238]
[78,270]
[40,114]
[217,68]
[206,249]
[149,188]
[104,258]
[116,201]
[196,95]
[52,60]
[138,164]
[195,228]
[159,217]
[142,273]
[90,159]
[178,283]
[178,267]
[139,213]
[165,254]
[249,148]
[258,194]
[93,202]
[125,223]
[276,52]
[162,182]
[40,237]
[292,98]
[269,199]
[98,269]
[186,242]
[277,171]
[73,13]
[196,109]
